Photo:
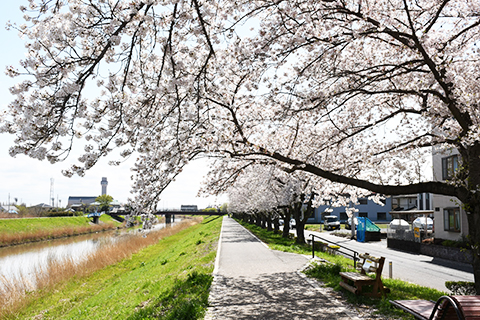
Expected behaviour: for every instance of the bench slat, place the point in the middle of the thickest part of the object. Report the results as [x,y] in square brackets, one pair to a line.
[355,276]
[420,309]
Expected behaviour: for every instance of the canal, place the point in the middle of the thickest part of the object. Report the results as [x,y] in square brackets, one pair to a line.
[23,261]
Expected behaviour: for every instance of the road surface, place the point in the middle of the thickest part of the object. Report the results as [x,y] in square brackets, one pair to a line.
[416,268]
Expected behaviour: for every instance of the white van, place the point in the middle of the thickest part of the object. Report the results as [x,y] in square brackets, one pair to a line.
[331,223]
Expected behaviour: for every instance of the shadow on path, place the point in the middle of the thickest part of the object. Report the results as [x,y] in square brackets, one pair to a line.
[276,296]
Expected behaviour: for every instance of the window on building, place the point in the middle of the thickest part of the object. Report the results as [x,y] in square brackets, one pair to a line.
[381,216]
[395,203]
[451,219]
[363,214]
[362,201]
[449,166]
[343,216]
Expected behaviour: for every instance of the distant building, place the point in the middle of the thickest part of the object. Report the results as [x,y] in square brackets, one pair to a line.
[366,208]
[104,184]
[42,206]
[76,203]
[9,209]
[188,208]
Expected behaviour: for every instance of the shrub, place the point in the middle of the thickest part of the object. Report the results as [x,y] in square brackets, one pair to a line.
[461,287]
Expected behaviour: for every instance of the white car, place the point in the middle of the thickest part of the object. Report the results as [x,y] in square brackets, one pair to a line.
[420,223]
[331,223]
[348,224]
[293,223]
[399,224]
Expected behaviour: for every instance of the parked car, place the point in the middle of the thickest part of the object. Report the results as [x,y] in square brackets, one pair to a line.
[420,223]
[348,224]
[293,224]
[331,223]
[399,224]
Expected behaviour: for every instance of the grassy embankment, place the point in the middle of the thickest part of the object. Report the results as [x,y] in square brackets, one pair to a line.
[17,231]
[328,274]
[169,280]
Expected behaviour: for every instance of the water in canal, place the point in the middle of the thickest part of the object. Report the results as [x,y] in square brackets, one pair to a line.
[23,260]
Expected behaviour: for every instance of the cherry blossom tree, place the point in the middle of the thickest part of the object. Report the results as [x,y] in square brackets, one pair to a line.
[265,192]
[254,194]
[353,93]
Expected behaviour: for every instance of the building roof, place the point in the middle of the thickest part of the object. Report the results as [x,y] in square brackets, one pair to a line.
[9,208]
[72,200]
[42,205]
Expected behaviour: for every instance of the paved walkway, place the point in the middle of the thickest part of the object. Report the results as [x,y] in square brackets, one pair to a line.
[254,282]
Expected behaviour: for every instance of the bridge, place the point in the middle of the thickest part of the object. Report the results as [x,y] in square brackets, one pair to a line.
[189,213]
[170,214]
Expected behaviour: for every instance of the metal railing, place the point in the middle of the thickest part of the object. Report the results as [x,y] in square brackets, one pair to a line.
[353,254]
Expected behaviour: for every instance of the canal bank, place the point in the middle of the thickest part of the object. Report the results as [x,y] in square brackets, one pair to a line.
[167,277]
[26,230]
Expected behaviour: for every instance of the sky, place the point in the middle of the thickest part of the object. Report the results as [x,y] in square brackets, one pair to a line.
[30,181]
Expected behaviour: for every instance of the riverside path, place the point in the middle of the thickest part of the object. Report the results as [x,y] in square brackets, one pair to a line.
[253,282]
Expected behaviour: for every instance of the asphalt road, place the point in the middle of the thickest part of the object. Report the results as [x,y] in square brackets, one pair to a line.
[416,268]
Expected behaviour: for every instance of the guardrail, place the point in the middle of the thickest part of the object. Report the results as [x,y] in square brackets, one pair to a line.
[353,255]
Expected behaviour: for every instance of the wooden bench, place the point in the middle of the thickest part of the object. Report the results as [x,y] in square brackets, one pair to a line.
[355,282]
[446,308]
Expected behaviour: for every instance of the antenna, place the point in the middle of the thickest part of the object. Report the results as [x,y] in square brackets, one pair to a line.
[52,197]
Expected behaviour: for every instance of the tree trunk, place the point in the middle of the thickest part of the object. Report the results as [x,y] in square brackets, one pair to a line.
[276,225]
[286,223]
[258,220]
[300,228]
[473,217]
[269,223]
[300,223]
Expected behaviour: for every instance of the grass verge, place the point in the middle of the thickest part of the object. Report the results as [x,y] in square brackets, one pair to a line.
[328,274]
[169,280]
[17,231]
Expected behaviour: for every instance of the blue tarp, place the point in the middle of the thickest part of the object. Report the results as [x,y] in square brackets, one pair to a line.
[364,225]
[361,228]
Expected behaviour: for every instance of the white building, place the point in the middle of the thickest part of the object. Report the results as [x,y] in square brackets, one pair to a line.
[450,219]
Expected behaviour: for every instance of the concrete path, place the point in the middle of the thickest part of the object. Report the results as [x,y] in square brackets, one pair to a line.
[254,282]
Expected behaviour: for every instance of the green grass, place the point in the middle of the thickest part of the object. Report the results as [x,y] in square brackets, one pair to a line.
[169,280]
[37,224]
[328,274]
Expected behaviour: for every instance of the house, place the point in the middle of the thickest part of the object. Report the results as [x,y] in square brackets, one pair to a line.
[9,209]
[410,206]
[42,206]
[366,208]
[77,203]
[450,220]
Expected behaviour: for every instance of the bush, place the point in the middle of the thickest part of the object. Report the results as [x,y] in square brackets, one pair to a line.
[461,287]
[455,244]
